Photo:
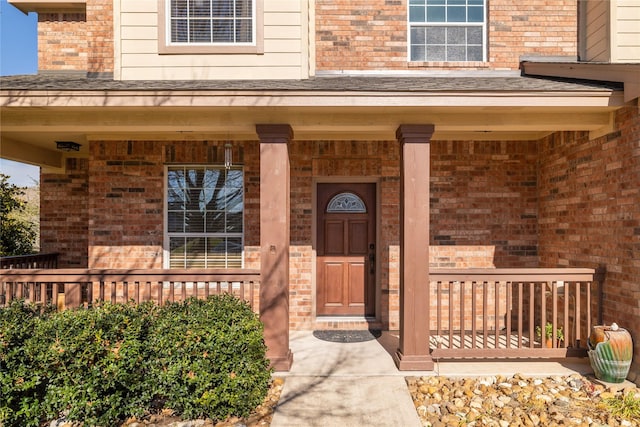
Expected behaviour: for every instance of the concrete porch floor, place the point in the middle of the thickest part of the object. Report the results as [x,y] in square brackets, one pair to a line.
[357,384]
[312,356]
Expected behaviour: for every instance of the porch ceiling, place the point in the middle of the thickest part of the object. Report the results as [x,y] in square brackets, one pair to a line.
[34,117]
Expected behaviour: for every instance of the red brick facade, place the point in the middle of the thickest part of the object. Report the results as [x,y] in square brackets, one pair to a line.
[127,199]
[100,36]
[590,212]
[531,28]
[372,35]
[122,204]
[77,41]
[564,201]
[64,217]
[61,42]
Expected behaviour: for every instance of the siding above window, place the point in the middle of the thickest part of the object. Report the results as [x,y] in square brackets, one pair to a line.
[210,26]
[447,30]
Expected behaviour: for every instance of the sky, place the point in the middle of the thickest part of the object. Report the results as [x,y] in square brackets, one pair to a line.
[18,55]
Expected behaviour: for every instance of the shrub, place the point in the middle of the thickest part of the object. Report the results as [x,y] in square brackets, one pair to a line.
[210,358]
[22,382]
[95,359]
[102,365]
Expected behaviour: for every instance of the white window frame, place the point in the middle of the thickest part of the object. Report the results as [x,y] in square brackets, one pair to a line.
[482,25]
[166,259]
[166,46]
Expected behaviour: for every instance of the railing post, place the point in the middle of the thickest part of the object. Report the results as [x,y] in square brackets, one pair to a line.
[599,277]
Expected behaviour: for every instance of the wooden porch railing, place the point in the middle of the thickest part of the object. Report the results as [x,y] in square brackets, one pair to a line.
[69,288]
[49,260]
[481,313]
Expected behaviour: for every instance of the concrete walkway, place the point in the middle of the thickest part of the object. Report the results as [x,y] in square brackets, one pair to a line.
[357,384]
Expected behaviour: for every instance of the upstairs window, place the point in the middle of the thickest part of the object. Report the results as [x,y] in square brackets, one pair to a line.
[210,26]
[212,21]
[447,30]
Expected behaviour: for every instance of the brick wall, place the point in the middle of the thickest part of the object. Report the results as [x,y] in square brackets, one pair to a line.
[483,206]
[77,41]
[126,204]
[534,27]
[484,194]
[483,210]
[63,214]
[62,44]
[126,201]
[361,34]
[372,35]
[100,36]
[590,213]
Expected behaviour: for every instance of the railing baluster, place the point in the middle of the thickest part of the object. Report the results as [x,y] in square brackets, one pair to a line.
[485,297]
[251,294]
[578,337]
[30,289]
[588,284]
[543,312]
[43,294]
[439,314]
[462,326]
[125,291]
[55,295]
[496,313]
[509,311]
[554,313]
[474,313]
[450,324]
[160,287]
[532,308]
[568,332]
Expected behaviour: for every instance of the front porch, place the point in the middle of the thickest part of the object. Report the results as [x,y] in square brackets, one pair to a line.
[473,313]
[450,166]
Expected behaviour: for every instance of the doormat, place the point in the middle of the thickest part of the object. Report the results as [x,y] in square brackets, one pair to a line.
[347,336]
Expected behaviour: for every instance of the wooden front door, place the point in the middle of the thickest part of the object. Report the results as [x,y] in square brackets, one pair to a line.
[346,249]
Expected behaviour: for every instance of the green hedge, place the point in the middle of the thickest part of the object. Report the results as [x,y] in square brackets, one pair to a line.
[201,358]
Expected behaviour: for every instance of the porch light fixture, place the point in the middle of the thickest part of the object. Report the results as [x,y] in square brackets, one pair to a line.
[67,146]
[228,155]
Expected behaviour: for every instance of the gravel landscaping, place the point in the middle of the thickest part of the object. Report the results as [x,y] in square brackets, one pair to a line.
[519,401]
[494,401]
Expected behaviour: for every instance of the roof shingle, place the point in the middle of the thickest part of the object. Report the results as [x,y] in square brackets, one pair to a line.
[48,82]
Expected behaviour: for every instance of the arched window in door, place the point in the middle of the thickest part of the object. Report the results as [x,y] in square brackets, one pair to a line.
[346,203]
